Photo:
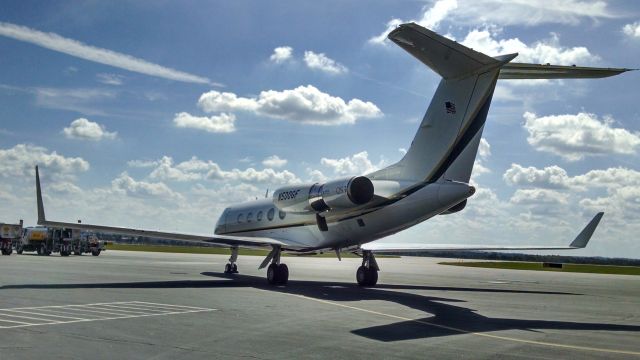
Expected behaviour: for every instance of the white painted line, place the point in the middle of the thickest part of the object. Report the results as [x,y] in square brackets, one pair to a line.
[26,317]
[133,309]
[110,309]
[41,314]
[168,305]
[65,313]
[18,322]
[104,311]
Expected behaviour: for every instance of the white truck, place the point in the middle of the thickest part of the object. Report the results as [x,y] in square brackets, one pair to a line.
[45,241]
[9,235]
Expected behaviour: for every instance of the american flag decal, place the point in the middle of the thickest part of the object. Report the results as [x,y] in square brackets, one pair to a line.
[451,107]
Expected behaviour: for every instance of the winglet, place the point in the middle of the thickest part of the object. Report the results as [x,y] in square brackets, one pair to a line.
[41,217]
[585,235]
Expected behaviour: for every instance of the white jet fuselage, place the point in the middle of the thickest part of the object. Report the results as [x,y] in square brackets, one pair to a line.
[262,218]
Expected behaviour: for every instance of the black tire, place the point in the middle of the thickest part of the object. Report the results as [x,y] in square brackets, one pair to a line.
[366,277]
[77,253]
[227,269]
[19,250]
[95,252]
[9,251]
[234,268]
[40,250]
[373,277]
[361,276]
[283,274]
[272,274]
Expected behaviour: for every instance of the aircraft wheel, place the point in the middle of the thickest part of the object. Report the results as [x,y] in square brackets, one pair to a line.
[283,274]
[227,269]
[19,250]
[40,250]
[272,274]
[95,252]
[366,277]
[234,268]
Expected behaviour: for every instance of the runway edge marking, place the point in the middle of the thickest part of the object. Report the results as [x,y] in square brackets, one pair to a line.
[461,331]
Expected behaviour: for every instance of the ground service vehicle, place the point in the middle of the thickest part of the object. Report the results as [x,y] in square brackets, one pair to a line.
[9,234]
[45,241]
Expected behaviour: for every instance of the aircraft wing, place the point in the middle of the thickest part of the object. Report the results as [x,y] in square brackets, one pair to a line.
[243,241]
[579,242]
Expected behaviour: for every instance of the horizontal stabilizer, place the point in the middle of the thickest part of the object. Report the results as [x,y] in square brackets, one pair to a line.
[547,71]
[444,56]
[580,242]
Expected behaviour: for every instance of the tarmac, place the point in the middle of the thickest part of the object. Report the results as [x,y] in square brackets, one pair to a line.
[137,305]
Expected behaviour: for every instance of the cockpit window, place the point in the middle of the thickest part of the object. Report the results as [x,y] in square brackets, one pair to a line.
[271,213]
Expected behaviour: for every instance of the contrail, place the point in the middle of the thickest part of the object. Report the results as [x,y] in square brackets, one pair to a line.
[78,49]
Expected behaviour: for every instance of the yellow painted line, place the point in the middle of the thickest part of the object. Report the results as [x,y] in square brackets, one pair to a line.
[461,331]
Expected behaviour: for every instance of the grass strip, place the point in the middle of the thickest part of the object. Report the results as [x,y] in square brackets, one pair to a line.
[577,268]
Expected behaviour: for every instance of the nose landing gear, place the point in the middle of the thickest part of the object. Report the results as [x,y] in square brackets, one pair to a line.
[232,267]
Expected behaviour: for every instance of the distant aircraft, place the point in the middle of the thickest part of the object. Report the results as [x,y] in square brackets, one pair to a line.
[431,179]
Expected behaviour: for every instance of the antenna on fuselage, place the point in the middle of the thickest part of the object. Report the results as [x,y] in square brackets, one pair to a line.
[266,195]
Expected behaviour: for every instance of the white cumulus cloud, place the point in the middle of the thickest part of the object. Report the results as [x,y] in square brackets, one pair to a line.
[274,161]
[573,137]
[222,123]
[78,49]
[281,54]
[125,184]
[84,129]
[304,104]
[541,52]
[431,18]
[357,164]
[320,61]
[20,160]
[197,169]
[632,30]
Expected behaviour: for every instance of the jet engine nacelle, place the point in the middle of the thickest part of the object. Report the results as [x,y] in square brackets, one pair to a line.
[333,195]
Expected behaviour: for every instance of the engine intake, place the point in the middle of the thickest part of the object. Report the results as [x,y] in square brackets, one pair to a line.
[333,195]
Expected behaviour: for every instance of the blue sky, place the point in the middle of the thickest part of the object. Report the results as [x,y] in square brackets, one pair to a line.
[160,114]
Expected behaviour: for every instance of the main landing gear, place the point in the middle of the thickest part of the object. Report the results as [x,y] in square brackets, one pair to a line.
[232,267]
[367,274]
[277,273]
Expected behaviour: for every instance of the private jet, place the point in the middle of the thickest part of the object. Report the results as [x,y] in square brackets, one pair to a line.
[433,177]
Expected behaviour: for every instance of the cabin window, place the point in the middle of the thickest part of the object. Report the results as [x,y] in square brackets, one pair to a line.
[259,216]
[249,217]
[282,215]
[271,213]
[240,218]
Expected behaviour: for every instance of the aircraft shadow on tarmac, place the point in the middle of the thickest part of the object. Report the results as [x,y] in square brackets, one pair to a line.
[445,319]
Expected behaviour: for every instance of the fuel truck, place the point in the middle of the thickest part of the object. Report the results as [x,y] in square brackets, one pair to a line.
[45,241]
